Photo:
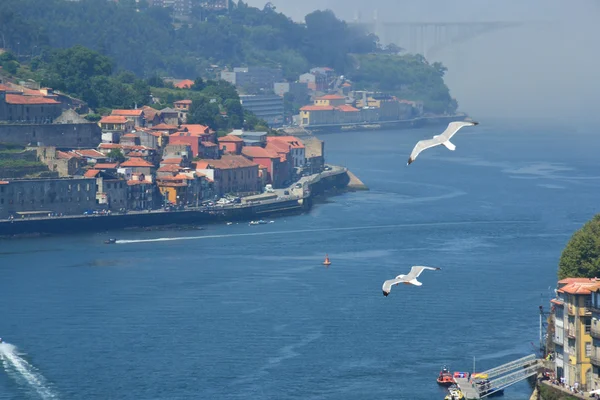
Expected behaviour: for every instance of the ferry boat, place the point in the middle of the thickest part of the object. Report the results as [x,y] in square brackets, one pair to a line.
[326,262]
[110,241]
[445,377]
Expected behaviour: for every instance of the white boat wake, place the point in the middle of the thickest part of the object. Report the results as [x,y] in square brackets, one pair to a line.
[24,373]
[352,228]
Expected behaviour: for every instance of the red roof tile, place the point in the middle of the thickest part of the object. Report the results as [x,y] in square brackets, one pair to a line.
[163,127]
[169,168]
[136,182]
[136,162]
[230,138]
[91,173]
[208,144]
[105,165]
[183,102]
[229,162]
[258,152]
[196,128]
[127,113]
[113,119]
[347,108]
[89,153]
[184,84]
[293,141]
[580,287]
[20,99]
[110,146]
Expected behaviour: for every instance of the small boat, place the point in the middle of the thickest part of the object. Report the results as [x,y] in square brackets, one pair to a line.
[230,223]
[445,377]
[110,241]
[326,262]
[259,222]
[454,393]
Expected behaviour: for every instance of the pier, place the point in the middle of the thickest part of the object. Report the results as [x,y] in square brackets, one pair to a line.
[500,377]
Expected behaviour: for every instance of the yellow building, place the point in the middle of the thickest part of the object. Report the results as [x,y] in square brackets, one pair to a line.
[572,333]
[317,115]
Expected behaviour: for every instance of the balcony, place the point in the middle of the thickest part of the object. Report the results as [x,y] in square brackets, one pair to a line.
[558,340]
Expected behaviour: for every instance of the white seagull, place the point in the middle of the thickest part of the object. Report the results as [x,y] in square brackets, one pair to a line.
[410,279]
[443,139]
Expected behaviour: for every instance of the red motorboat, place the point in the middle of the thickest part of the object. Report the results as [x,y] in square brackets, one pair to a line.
[445,378]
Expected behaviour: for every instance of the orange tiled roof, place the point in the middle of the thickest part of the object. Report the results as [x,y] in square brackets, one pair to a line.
[136,162]
[573,280]
[66,156]
[293,141]
[163,127]
[230,138]
[91,153]
[228,162]
[149,112]
[183,102]
[20,99]
[127,113]
[317,108]
[207,144]
[184,84]
[91,173]
[169,168]
[105,166]
[113,119]
[579,287]
[136,182]
[110,146]
[347,108]
[258,152]
[196,128]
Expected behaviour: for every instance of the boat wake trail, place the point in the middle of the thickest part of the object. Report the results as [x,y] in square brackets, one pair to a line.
[351,228]
[23,372]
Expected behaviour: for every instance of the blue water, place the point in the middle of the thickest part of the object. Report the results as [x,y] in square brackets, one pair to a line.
[249,312]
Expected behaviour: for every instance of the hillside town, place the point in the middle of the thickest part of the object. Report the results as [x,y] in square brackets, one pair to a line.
[53,161]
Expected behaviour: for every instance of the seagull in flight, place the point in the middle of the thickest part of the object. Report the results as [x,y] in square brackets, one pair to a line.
[443,139]
[410,279]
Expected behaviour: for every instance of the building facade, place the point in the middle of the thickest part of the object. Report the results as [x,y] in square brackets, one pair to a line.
[43,196]
[18,108]
[266,107]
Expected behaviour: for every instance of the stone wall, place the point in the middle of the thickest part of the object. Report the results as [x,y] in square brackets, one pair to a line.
[58,135]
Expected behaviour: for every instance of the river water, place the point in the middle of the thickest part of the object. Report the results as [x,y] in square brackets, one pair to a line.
[249,312]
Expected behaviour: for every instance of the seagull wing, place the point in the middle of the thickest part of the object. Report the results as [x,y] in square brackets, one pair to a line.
[417,270]
[424,145]
[387,285]
[453,127]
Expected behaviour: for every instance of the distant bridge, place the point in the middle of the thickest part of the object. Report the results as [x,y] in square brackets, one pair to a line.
[427,38]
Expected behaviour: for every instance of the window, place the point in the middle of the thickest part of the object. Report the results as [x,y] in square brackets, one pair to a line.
[588,349]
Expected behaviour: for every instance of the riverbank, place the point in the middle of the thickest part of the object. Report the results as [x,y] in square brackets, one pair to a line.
[400,124]
[326,183]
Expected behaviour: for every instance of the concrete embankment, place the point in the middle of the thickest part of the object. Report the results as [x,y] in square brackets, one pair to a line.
[329,182]
[355,183]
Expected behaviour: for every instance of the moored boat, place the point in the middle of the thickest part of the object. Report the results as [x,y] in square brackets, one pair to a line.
[445,377]
[454,393]
[326,262]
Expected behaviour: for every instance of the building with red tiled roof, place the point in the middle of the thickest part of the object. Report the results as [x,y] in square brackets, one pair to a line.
[136,116]
[138,165]
[184,84]
[31,109]
[182,105]
[231,144]
[91,173]
[277,168]
[115,123]
[295,146]
[104,166]
[165,127]
[91,155]
[231,174]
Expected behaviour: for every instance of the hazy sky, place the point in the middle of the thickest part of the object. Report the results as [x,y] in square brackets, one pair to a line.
[537,69]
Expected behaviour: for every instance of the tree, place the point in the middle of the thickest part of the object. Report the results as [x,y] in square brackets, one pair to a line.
[116,155]
[203,112]
[581,256]
[198,85]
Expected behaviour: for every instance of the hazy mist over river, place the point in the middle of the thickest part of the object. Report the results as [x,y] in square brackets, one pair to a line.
[538,70]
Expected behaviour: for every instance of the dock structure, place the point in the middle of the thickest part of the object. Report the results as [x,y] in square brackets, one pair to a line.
[500,377]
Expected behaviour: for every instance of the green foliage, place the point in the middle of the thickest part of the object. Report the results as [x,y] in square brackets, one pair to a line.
[581,256]
[93,117]
[116,155]
[87,74]
[409,76]
[9,62]
[17,163]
